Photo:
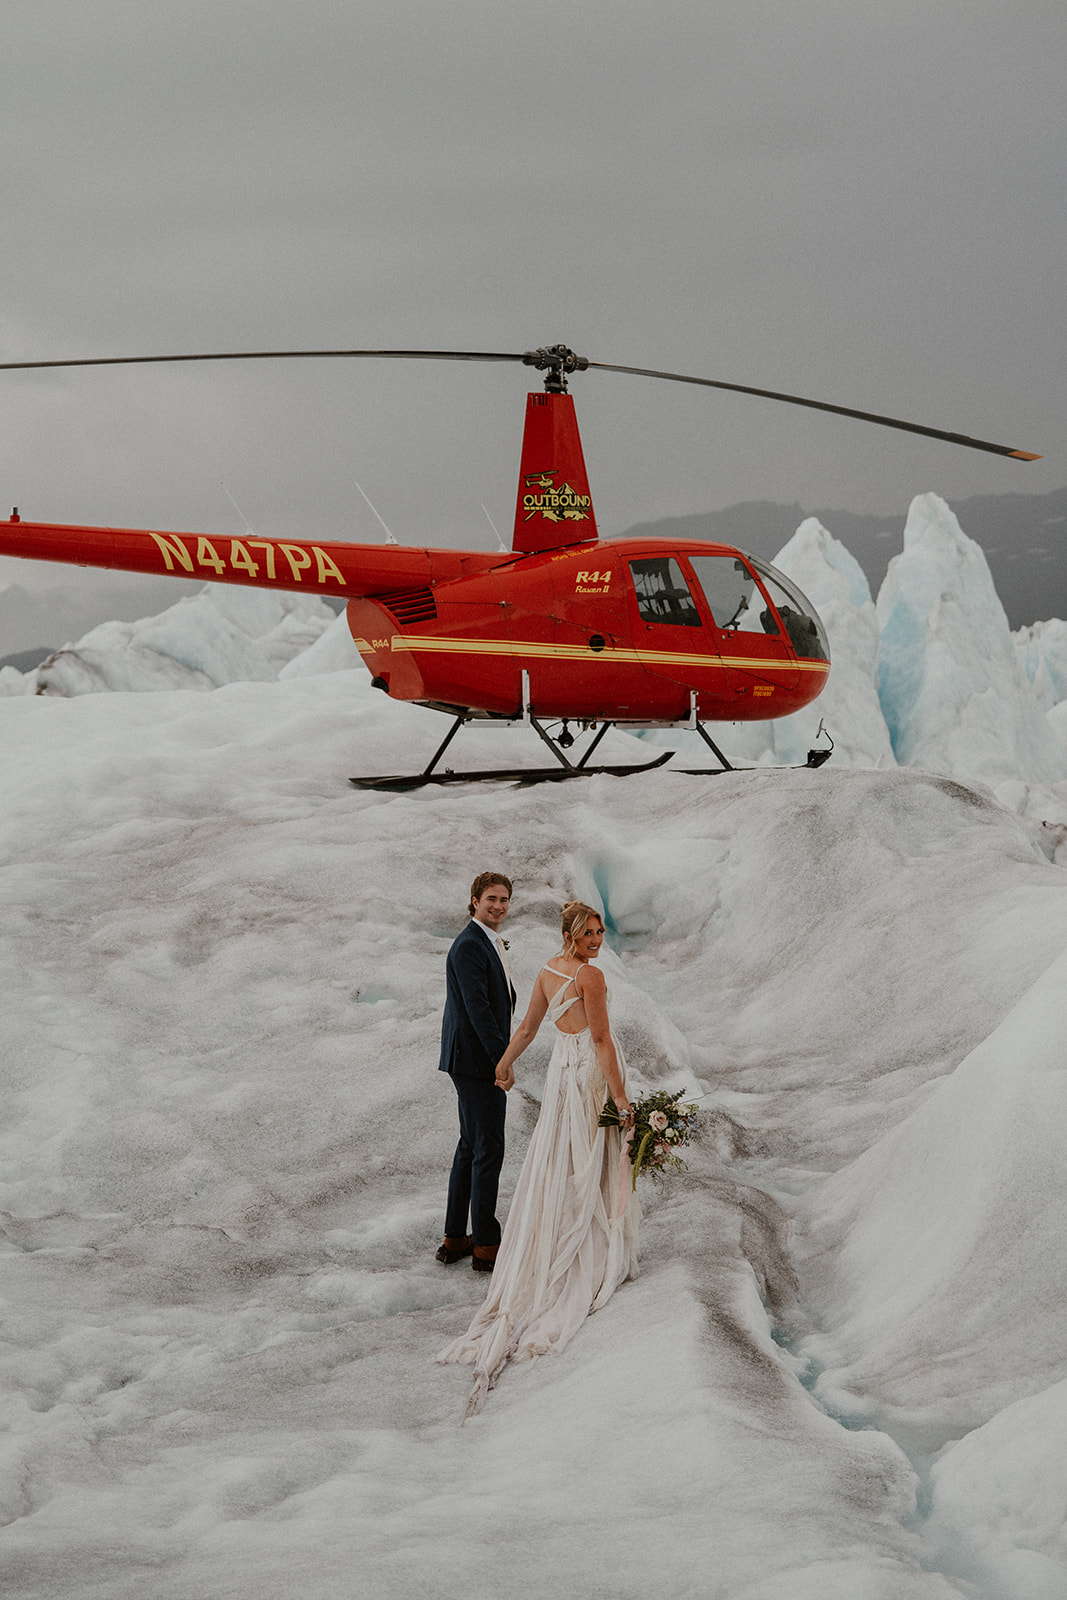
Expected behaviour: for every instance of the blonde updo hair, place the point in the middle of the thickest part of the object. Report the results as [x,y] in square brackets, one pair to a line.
[573,921]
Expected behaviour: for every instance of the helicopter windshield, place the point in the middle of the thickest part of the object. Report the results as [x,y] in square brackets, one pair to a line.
[662,592]
[733,598]
[799,617]
[739,605]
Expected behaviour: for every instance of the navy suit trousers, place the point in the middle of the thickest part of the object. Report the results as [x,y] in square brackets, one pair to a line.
[475,1175]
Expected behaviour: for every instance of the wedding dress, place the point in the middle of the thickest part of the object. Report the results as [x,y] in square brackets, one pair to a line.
[571,1234]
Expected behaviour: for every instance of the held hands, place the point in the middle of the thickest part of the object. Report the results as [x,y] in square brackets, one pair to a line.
[505,1078]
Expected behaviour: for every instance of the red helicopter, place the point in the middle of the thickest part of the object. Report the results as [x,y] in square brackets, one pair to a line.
[563,628]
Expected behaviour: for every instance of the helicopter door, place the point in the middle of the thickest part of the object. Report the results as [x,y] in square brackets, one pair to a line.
[756,651]
[670,638]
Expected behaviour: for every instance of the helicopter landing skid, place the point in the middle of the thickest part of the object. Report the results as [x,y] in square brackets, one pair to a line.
[524,776]
[518,775]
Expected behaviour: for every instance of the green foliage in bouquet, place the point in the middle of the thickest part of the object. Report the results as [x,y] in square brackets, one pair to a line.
[662,1126]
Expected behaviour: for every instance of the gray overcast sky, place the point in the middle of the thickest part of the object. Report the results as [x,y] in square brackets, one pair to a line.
[858,202]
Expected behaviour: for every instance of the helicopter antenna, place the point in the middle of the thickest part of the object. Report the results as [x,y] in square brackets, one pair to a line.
[494,527]
[236,507]
[388,535]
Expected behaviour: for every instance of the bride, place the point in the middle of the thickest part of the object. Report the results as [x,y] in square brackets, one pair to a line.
[571,1234]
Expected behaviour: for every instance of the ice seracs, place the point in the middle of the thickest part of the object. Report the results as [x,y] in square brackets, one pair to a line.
[836,584]
[953,694]
[332,651]
[222,635]
[1042,652]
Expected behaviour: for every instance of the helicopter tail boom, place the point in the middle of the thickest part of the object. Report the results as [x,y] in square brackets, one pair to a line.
[345,570]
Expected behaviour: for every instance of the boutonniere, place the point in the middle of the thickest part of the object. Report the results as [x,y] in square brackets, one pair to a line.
[506,943]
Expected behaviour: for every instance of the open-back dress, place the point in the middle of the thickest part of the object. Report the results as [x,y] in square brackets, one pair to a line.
[571,1234]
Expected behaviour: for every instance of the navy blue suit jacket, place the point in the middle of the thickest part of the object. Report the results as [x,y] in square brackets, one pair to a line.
[476,1029]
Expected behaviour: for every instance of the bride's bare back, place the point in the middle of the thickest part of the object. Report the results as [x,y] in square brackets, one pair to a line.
[571,1016]
[585,1008]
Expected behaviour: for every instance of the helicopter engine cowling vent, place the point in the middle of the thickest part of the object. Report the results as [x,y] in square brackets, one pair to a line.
[409,605]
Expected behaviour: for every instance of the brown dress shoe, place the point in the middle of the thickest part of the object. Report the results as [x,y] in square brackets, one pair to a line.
[454,1250]
[484,1258]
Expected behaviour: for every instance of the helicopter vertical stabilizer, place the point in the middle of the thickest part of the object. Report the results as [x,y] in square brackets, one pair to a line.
[554,506]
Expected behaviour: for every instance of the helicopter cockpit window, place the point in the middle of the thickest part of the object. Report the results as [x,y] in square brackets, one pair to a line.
[733,596]
[799,617]
[662,592]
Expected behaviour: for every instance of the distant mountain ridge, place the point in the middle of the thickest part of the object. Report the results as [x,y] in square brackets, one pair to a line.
[1024,537]
[26,660]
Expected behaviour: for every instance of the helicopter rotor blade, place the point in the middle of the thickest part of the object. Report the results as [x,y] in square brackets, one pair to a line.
[822,405]
[260,355]
[557,356]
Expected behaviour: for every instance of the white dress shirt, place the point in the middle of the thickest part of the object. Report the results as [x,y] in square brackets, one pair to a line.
[498,945]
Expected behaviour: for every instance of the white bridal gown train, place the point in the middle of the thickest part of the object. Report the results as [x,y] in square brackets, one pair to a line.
[571,1234]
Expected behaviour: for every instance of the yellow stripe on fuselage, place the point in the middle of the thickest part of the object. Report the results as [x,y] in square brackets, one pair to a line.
[538,651]
[418,644]
[754,664]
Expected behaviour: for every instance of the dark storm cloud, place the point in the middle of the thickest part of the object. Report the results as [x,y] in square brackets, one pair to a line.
[860,204]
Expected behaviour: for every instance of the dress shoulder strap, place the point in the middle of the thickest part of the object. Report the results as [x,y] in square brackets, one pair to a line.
[556,972]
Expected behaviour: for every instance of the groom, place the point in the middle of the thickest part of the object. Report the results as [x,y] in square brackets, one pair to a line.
[475,1033]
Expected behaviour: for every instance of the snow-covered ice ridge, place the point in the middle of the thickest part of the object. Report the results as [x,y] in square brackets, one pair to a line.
[930,676]
[221,635]
[842,1374]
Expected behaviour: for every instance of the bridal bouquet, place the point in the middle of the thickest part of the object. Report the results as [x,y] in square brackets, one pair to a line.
[662,1125]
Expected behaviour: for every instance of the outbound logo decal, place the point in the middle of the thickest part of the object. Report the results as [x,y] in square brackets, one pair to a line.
[556,503]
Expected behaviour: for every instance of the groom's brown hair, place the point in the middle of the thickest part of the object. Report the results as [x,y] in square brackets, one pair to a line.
[482,882]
